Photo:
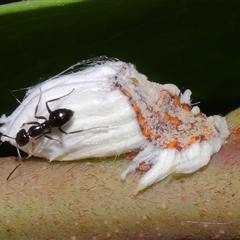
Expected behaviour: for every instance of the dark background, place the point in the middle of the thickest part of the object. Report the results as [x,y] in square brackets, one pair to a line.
[193,44]
[8,1]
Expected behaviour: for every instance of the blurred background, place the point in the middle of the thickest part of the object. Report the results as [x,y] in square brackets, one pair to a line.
[192,44]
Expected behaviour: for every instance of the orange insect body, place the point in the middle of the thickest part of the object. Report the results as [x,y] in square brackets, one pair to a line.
[176,133]
[131,155]
[167,122]
[144,167]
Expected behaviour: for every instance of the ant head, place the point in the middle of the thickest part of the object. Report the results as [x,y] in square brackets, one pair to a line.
[22,138]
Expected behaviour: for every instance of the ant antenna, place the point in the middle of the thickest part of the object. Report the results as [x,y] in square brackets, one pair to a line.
[19,157]
[10,174]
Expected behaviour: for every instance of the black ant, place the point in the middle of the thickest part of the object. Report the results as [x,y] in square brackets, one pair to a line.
[56,119]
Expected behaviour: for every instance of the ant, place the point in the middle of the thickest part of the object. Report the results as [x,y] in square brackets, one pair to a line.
[56,119]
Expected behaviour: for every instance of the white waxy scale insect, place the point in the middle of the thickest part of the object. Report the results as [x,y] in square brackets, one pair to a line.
[117,110]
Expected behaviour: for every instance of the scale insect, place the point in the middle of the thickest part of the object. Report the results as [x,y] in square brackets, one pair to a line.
[124,113]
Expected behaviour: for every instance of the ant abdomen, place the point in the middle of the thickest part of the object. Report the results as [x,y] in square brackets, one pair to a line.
[60,117]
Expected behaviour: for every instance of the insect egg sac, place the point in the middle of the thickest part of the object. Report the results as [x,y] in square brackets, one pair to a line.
[116,110]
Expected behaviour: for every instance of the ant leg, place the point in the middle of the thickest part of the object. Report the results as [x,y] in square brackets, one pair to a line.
[19,155]
[34,123]
[20,158]
[61,130]
[33,143]
[10,174]
[55,99]
[36,109]
[46,136]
